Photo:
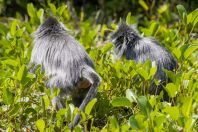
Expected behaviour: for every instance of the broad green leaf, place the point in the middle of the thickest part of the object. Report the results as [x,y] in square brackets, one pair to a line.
[114,124]
[171,89]
[13,28]
[40,13]
[182,13]
[143,4]
[120,101]
[11,62]
[31,75]
[31,10]
[15,109]
[130,19]
[190,50]
[177,53]
[46,101]
[131,96]
[61,113]
[143,73]
[193,17]
[187,106]
[3,29]
[90,105]
[61,9]
[163,8]
[159,119]
[7,96]
[134,123]
[173,112]
[106,48]
[21,72]
[53,8]
[40,125]
[20,32]
[144,105]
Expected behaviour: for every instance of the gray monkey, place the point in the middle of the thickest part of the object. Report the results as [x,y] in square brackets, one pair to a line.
[130,44]
[67,65]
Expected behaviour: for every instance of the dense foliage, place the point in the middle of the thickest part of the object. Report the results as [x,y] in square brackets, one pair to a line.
[122,103]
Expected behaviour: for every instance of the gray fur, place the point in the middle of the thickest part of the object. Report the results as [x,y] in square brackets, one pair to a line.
[130,44]
[66,63]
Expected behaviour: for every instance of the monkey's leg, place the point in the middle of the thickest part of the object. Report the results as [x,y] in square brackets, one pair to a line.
[95,81]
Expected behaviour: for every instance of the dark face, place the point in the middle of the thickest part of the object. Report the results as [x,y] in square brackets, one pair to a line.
[124,33]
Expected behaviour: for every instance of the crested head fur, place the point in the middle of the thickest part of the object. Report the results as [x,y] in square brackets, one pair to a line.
[124,37]
[50,26]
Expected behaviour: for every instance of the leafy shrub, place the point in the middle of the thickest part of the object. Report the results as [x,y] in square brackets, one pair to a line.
[122,103]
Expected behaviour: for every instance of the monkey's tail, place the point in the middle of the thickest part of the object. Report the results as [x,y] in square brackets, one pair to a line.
[95,80]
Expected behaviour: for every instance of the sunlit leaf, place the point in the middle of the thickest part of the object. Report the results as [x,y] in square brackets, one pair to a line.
[40,125]
[90,105]
[7,96]
[120,101]
[144,105]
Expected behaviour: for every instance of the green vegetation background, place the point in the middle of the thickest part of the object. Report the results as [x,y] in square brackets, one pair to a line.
[122,103]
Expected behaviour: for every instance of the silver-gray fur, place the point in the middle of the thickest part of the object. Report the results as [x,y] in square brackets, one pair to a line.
[133,46]
[66,63]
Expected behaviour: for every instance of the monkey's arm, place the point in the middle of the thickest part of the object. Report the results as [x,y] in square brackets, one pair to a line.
[95,81]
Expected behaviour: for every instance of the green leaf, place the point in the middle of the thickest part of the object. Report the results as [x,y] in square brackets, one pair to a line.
[31,10]
[144,105]
[182,13]
[143,4]
[7,96]
[130,19]
[13,28]
[61,9]
[90,105]
[14,110]
[21,72]
[120,101]
[190,50]
[3,29]
[187,106]
[172,111]
[159,119]
[40,125]
[53,8]
[171,89]
[143,73]
[134,123]
[106,48]
[46,101]
[40,13]
[177,53]
[192,17]
[10,62]
[163,8]
[131,96]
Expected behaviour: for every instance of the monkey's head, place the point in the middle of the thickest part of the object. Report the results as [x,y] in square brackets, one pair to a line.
[50,26]
[125,36]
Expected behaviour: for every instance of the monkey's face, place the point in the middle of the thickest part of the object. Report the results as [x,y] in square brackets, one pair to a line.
[123,35]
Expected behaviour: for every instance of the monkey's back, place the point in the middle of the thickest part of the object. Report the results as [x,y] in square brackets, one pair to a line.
[150,49]
[62,59]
